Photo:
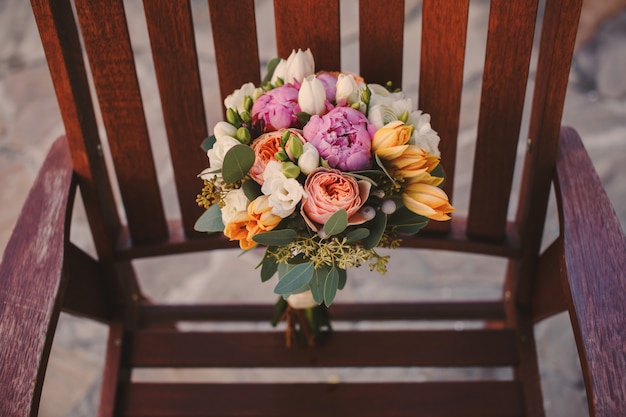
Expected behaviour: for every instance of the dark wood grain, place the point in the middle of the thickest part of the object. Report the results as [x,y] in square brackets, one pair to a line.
[444,36]
[381,45]
[162,348]
[236,51]
[32,282]
[107,42]
[594,276]
[170,27]
[59,36]
[509,45]
[309,24]
[434,399]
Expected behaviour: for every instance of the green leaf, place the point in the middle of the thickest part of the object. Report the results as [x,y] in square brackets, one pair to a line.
[297,277]
[210,221]
[405,217]
[439,172]
[377,228]
[237,162]
[317,283]
[303,118]
[336,223]
[330,286]
[271,67]
[412,229]
[268,268]
[343,278]
[276,237]
[251,189]
[357,234]
[208,143]
[379,162]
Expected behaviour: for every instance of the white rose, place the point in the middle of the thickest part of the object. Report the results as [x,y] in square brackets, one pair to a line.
[234,203]
[284,193]
[423,134]
[236,99]
[312,96]
[299,65]
[302,300]
[219,150]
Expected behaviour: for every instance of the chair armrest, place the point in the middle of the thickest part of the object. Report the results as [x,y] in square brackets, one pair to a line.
[31,281]
[593,271]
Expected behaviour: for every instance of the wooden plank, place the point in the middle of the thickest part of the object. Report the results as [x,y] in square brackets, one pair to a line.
[113,375]
[558,35]
[381,35]
[509,46]
[548,298]
[444,33]
[107,42]
[309,24]
[170,27]
[437,399]
[594,279]
[31,281]
[482,347]
[470,310]
[59,36]
[236,50]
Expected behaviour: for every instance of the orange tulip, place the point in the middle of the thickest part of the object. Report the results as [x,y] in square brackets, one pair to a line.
[245,225]
[425,199]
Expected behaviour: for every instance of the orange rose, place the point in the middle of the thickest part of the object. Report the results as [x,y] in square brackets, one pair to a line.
[329,191]
[258,219]
[265,148]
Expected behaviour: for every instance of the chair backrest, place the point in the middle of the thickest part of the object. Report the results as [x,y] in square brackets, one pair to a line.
[304,24]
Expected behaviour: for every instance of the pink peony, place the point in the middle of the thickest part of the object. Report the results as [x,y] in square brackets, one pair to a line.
[343,137]
[276,109]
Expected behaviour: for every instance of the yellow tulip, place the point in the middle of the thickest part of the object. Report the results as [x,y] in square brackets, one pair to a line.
[427,200]
[390,141]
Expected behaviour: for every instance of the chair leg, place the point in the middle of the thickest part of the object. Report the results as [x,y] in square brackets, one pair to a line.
[114,374]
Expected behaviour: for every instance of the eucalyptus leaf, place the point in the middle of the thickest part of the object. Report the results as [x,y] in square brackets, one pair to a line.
[251,189]
[336,223]
[379,162]
[268,268]
[343,278]
[208,143]
[330,286]
[317,283]
[412,229]
[276,237]
[297,277]
[377,228]
[405,217]
[210,220]
[237,162]
[271,67]
[357,234]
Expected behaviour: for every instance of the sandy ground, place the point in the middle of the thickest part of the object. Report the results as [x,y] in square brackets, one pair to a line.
[30,121]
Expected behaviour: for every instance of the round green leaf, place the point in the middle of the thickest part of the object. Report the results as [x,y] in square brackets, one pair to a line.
[377,228]
[237,162]
[330,286]
[276,237]
[336,223]
[357,234]
[297,277]
[210,221]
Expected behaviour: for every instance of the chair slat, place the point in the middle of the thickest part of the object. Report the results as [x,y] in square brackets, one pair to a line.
[170,27]
[381,46]
[61,42]
[435,399]
[483,347]
[444,35]
[236,46]
[309,24]
[509,46]
[106,38]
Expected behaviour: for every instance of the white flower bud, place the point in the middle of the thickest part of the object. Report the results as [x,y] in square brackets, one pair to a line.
[312,96]
[299,65]
[347,88]
[309,160]
[388,206]
[368,212]
[301,300]
[222,129]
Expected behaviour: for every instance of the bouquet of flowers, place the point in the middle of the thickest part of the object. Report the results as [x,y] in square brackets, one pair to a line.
[322,169]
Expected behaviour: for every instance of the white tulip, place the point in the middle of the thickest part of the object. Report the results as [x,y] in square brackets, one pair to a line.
[347,88]
[309,160]
[279,72]
[222,129]
[299,65]
[312,96]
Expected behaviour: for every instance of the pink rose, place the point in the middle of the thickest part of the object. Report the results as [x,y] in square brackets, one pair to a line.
[276,109]
[328,191]
[343,137]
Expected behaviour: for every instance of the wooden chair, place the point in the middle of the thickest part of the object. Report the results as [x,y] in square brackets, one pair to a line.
[43,272]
